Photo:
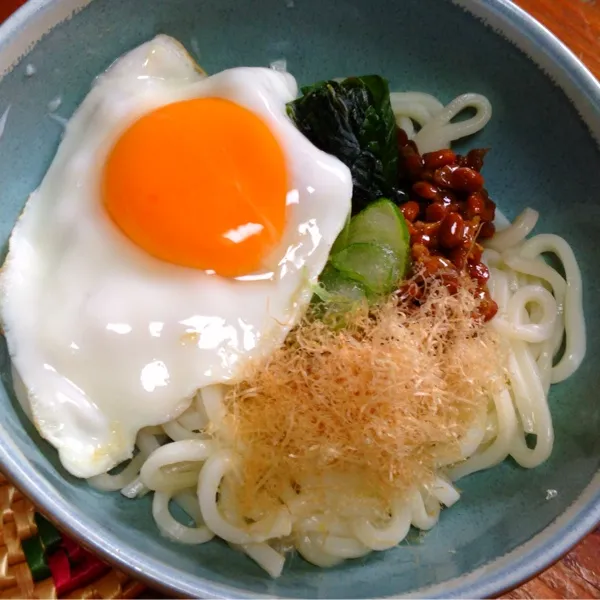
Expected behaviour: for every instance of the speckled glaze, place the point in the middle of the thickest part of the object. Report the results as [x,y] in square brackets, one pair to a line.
[509,524]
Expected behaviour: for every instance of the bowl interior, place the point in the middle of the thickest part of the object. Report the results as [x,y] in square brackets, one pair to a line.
[542,156]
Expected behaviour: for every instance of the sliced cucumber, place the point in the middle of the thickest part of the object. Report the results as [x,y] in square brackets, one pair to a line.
[368,259]
[337,287]
[374,265]
[382,223]
[342,239]
[336,296]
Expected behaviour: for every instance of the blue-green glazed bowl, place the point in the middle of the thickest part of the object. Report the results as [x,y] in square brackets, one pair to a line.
[509,524]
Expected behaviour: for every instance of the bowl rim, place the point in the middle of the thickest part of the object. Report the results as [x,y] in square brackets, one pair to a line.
[504,572]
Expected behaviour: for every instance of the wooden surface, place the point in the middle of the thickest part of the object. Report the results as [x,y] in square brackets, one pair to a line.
[577,24]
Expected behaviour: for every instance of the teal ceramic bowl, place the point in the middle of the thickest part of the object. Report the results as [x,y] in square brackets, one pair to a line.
[510,523]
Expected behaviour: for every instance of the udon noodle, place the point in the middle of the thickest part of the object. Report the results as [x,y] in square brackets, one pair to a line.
[541,319]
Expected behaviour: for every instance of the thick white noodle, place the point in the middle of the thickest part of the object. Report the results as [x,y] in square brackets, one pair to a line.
[416,106]
[127,479]
[172,528]
[425,509]
[112,483]
[407,125]
[194,418]
[319,522]
[135,489]
[310,545]
[444,492]
[539,269]
[184,453]
[516,233]
[276,525]
[265,556]
[344,547]
[538,309]
[439,132]
[523,400]
[388,535]
[188,501]
[573,304]
[471,441]
[499,449]
[146,440]
[177,432]
[435,120]
[525,381]
[146,443]
[511,325]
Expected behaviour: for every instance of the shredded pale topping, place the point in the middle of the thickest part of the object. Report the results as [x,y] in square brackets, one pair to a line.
[382,401]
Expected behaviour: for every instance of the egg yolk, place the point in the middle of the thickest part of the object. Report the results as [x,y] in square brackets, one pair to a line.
[200,183]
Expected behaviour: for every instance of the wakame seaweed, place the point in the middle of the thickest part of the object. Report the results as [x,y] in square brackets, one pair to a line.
[354,121]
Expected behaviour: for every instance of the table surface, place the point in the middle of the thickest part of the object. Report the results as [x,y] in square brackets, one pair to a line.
[577,24]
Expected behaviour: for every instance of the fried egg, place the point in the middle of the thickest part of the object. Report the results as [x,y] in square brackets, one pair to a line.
[175,239]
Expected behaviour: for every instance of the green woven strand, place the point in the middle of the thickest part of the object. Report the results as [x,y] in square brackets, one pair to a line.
[34,555]
[49,535]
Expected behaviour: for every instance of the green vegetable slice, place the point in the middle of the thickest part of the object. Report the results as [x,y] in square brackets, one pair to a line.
[374,265]
[339,288]
[382,223]
[336,296]
[342,239]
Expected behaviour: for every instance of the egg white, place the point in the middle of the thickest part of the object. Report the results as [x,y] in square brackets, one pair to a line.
[107,339]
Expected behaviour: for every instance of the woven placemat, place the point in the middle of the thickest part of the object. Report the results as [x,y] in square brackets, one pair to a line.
[38,561]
